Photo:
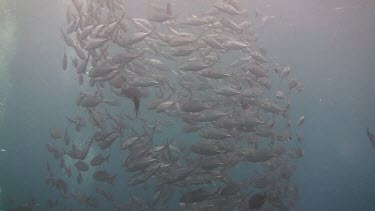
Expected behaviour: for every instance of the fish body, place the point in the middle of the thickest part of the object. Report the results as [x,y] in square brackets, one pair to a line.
[371,137]
[65,60]
[256,201]
[103,176]
[99,159]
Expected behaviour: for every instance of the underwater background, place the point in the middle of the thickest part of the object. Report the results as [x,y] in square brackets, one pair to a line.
[330,44]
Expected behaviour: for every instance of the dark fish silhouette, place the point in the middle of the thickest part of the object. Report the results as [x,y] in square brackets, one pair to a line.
[371,137]
[23,208]
[65,60]
[256,201]
[195,196]
[137,103]
[135,95]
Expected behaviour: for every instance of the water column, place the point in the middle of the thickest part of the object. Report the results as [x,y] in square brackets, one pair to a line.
[1,200]
[7,51]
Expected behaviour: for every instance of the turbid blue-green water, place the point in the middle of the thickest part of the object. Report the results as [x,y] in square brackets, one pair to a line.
[329,44]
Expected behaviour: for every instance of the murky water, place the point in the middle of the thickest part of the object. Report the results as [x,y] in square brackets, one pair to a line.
[329,46]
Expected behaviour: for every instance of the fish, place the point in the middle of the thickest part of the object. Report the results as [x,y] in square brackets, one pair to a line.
[136,38]
[209,116]
[140,164]
[280,95]
[135,95]
[142,25]
[109,140]
[103,176]
[227,8]
[77,121]
[159,17]
[86,31]
[81,166]
[64,60]
[68,41]
[227,91]
[234,45]
[68,171]
[206,149]
[142,176]
[257,201]
[144,82]
[195,196]
[231,25]
[284,72]
[230,188]
[91,202]
[126,57]
[79,178]
[137,103]
[102,70]
[193,106]
[371,137]
[82,67]
[301,120]
[55,133]
[26,207]
[81,54]
[130,141]
[191,128]
[193,66]
[105,194]
[66,137]
[95,43]
[52,203]
[99,159]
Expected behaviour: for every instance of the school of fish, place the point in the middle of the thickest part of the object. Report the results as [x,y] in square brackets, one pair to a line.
[190,108]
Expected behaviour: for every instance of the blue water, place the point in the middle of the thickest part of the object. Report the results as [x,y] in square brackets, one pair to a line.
[332,52]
